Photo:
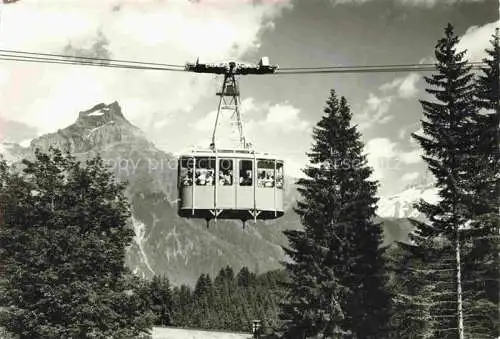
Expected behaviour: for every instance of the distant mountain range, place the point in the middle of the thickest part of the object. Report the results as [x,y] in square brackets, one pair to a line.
[401,205]
[165,243]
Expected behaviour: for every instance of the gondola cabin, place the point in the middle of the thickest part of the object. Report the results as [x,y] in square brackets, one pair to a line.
[230,184]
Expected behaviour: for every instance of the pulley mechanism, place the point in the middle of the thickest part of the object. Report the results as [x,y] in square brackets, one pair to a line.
[229,93]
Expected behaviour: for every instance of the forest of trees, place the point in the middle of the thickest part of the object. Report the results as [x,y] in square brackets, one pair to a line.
[228,302]
[63,237]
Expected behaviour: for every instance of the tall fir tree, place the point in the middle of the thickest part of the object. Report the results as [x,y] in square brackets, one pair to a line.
[481,280]
[448,128]
[63,239]
[336,284]
[488,190]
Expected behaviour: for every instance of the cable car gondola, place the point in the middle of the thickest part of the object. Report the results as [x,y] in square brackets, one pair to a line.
[230,183]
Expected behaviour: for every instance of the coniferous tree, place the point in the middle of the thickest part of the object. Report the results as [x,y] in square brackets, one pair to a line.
[63,237]
[488,190]
[231,308]
[448,128]
[336,285]
[245,278]
[161,300]
[410,314]
[481,271]
[181,304]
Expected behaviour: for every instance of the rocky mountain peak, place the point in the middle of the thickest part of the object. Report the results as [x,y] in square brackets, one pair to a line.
[94,130]
[102,114]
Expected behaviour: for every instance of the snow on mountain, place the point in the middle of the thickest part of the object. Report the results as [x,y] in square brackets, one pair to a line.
[401,205]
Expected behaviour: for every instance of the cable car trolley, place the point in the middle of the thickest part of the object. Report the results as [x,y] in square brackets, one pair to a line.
[230,183]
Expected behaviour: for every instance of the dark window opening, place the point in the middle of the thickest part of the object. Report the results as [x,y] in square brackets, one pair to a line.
[246,172]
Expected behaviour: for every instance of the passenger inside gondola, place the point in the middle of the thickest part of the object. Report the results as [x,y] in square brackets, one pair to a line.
[210,177]
[225,178]
[246,178]
[265,178]
[246,175]
[279,175]
[269,180]
[225,172]
[260,178]
[188,178]
[201,177]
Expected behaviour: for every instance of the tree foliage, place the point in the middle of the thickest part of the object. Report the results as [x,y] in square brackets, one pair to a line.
[482,242]
[337,282]
[460,145]
[228,302]
[63,237]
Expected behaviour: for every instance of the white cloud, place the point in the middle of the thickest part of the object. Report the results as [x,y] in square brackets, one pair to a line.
[406,86]
[410,176]
[427,60]
[206,123]
[380,154]
[293,168]
[411,157]
[384,156]
[376,108]
[284,118]
[50,96]
[279,119]
[405,131]
[476,40]
[374,111]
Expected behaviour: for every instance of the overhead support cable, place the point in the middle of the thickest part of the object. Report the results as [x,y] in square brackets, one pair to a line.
[241,69]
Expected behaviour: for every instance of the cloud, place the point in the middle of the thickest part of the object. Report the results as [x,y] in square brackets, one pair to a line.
[380,154]
[50,96]
[90,48]
[476,39]
[284,118]
[411,157]
[375,111]
[405,131]
[13,131]
[293,168]
[425,3]
[411,176]
[377,107]
[405,86]
[279,119]
[385,156]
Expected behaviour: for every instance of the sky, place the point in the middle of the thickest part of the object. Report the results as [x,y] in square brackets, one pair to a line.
[177,109]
